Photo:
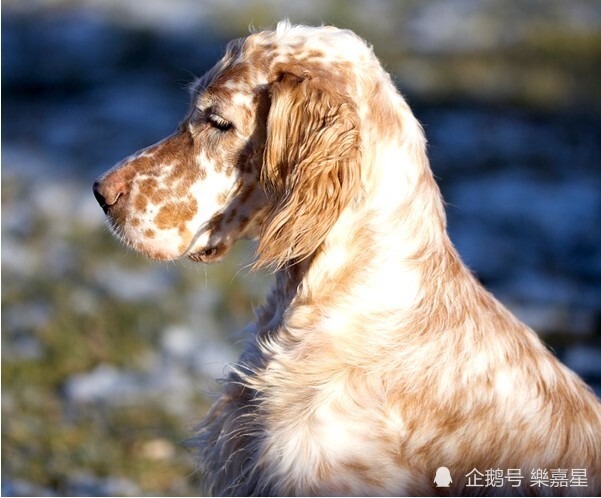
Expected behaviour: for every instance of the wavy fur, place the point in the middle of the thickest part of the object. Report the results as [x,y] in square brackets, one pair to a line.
[378,357]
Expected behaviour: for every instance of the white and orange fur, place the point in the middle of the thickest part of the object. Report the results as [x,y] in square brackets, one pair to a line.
[378,357]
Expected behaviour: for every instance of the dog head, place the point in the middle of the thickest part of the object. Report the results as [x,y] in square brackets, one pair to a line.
[269,149]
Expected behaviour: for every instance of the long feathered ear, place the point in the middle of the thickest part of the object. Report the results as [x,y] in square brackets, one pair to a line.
[311,165]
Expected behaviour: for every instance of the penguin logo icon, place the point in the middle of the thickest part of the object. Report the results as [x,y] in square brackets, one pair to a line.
[443,477]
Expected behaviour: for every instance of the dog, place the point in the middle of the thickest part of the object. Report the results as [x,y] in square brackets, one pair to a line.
[378,357]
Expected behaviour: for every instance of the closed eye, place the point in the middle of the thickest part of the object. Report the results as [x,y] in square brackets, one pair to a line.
[218,122]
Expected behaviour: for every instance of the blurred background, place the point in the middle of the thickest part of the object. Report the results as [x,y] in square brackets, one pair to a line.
[108,359]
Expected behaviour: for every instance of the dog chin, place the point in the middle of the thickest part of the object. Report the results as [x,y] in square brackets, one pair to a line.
[152,251]
[155,253]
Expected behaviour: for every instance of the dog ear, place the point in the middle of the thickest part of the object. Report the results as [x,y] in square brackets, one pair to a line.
[311,165]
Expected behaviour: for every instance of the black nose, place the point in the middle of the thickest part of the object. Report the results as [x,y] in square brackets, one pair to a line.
[99,197]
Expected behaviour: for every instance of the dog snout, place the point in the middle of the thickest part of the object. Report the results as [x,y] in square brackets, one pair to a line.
[109,190]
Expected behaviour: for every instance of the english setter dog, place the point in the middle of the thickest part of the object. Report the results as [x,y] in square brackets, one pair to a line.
[378,357]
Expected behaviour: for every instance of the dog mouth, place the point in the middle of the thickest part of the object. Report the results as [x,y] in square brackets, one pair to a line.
[209,254]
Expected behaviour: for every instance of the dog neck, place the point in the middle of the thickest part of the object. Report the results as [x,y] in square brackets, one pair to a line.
[386,253]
